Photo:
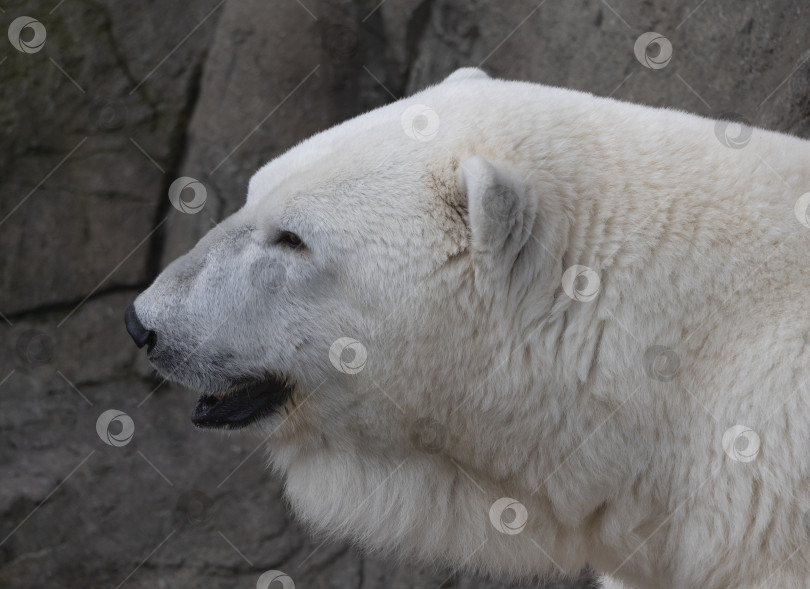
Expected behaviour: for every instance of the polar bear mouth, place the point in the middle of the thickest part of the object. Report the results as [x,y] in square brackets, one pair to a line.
[242,404]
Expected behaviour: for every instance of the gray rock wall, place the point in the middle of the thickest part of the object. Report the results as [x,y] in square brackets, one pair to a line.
[124,98]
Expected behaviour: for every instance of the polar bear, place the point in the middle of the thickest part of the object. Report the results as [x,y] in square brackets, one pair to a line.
[519,328]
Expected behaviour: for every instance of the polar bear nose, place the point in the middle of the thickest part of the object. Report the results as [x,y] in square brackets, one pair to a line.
[140,335]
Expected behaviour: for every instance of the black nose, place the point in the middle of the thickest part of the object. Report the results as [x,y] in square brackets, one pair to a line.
[140,335]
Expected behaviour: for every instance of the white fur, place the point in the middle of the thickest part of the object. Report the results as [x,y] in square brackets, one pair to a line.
[445,258]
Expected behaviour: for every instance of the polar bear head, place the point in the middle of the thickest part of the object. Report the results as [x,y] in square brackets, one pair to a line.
[363,308]
[360,283]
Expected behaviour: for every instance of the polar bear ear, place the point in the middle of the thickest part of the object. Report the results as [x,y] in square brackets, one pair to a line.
[502,209]
[467,73]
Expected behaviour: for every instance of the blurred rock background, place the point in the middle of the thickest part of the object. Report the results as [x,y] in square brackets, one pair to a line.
[122,99]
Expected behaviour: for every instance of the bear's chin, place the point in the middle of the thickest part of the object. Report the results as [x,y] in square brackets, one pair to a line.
[241,405]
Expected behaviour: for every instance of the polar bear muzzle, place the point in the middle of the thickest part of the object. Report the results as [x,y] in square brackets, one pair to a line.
[241,405]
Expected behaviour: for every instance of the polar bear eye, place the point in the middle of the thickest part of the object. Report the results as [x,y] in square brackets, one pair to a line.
[289,239]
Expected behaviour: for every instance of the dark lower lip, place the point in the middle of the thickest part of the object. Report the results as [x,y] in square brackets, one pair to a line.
[241,407]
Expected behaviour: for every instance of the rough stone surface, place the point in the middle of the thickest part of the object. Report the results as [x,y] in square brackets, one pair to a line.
[85,223]
[78,196]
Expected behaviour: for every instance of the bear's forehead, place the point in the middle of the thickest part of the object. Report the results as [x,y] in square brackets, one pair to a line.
[361,144]
[337,152]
